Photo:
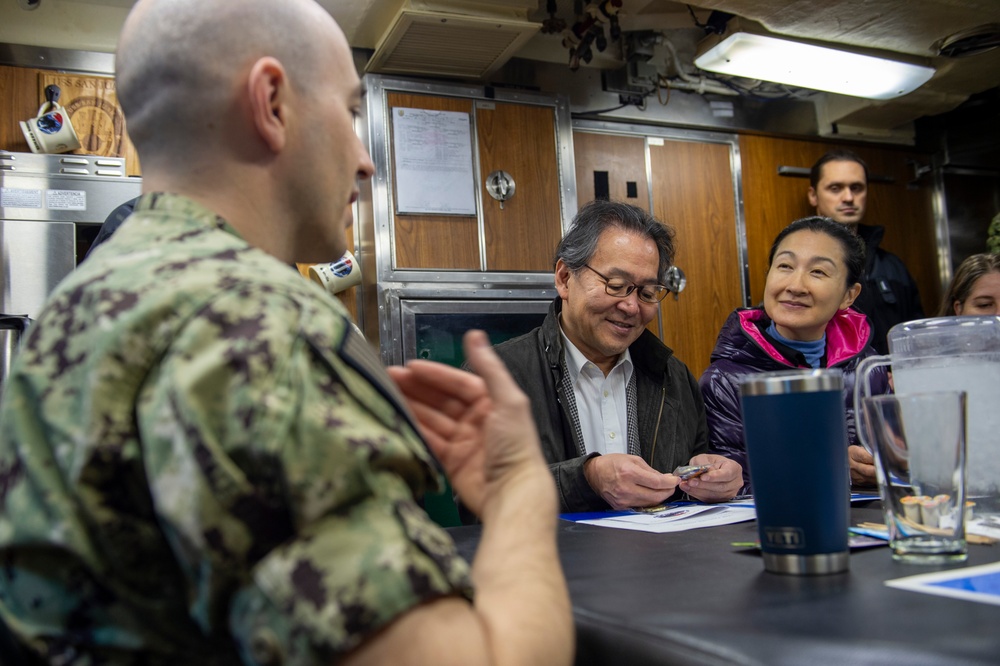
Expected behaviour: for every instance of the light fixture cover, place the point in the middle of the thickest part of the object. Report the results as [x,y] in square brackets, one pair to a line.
[810,66]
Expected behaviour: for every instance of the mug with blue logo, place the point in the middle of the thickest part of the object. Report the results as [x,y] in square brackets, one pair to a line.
[338,275]
[50,131]
[796,438]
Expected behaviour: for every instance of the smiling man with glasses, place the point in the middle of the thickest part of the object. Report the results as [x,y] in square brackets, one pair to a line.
[616,411]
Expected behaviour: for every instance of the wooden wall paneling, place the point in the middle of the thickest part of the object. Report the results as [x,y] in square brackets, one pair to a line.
[904,209]
[521,140]
[436,242]
[623,158]
[92,103]
[90,100]
[19,96]
[693,193]
[433,241]
[770,201]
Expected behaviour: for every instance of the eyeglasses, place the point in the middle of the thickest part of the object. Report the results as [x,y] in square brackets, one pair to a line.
[619,288]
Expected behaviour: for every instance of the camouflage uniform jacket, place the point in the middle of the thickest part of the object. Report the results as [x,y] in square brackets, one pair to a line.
[201,462]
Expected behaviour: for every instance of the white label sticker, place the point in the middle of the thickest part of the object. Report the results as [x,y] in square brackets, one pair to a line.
[19,197]
[66,199]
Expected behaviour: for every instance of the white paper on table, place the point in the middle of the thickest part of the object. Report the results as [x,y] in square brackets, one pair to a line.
[980,583]
[748,501]
[983,527]
[679,518]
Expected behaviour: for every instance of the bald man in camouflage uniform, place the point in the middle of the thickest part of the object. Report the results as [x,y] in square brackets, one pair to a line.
[201,461]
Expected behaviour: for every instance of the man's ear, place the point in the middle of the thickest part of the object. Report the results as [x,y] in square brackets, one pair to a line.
[562,279]
[813,201]
[267,86]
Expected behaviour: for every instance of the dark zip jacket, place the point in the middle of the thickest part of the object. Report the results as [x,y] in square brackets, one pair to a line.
[671,416]
[888,292]
[744,348]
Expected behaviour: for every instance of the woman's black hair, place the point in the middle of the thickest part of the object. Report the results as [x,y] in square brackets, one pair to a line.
[851,243]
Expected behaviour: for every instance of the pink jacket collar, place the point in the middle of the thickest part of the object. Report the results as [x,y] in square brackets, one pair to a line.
[846,335]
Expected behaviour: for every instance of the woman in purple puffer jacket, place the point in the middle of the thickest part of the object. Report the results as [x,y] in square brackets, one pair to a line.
[805,322]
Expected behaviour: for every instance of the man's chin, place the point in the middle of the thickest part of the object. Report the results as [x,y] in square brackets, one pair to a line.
[619,343]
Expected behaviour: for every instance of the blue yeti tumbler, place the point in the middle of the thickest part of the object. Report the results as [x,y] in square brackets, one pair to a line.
[796,439]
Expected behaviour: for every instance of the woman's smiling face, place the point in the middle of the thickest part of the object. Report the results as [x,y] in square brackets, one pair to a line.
[807,284]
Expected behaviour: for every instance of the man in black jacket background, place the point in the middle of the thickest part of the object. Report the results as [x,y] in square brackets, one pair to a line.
[839,190]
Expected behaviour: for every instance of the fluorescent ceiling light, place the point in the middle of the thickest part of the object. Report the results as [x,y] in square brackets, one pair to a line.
[809,66]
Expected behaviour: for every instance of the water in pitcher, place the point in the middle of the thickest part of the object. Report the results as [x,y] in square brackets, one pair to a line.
[979,376]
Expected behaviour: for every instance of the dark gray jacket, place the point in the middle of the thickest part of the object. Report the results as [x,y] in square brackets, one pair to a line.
[671,414]
[888,292]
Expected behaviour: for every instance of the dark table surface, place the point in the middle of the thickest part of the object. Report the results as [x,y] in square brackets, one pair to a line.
[693,598]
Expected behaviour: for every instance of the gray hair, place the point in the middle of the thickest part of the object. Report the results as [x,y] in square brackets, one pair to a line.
[579,244]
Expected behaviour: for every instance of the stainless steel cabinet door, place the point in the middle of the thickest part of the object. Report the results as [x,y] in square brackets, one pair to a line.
[36,256]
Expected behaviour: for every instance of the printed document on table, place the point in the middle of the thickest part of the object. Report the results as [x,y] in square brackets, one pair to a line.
[986,526]
[678,518]
[856,498]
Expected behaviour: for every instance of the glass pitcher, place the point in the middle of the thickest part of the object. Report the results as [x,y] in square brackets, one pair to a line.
[951,353]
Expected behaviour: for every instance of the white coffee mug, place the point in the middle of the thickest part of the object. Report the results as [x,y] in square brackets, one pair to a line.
[337,276]
[50,131]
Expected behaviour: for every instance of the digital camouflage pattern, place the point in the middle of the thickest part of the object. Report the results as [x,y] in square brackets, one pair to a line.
[202,461]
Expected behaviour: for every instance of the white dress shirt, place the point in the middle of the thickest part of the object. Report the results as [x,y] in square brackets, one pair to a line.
[600,400]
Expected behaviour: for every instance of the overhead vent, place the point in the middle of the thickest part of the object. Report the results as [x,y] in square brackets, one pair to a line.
[449,44]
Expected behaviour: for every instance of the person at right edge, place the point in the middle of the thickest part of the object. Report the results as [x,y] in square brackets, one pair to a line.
[839,190]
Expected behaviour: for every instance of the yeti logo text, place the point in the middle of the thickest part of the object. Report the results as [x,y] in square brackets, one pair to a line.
[784,537]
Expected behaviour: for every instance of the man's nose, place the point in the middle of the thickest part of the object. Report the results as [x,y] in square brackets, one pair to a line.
[366,168]
[630,303]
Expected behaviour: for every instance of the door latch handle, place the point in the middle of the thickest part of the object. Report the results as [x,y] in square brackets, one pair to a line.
[675,281]
[500,185]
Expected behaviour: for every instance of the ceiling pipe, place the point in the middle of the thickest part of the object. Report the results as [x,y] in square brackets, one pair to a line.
[699,84]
